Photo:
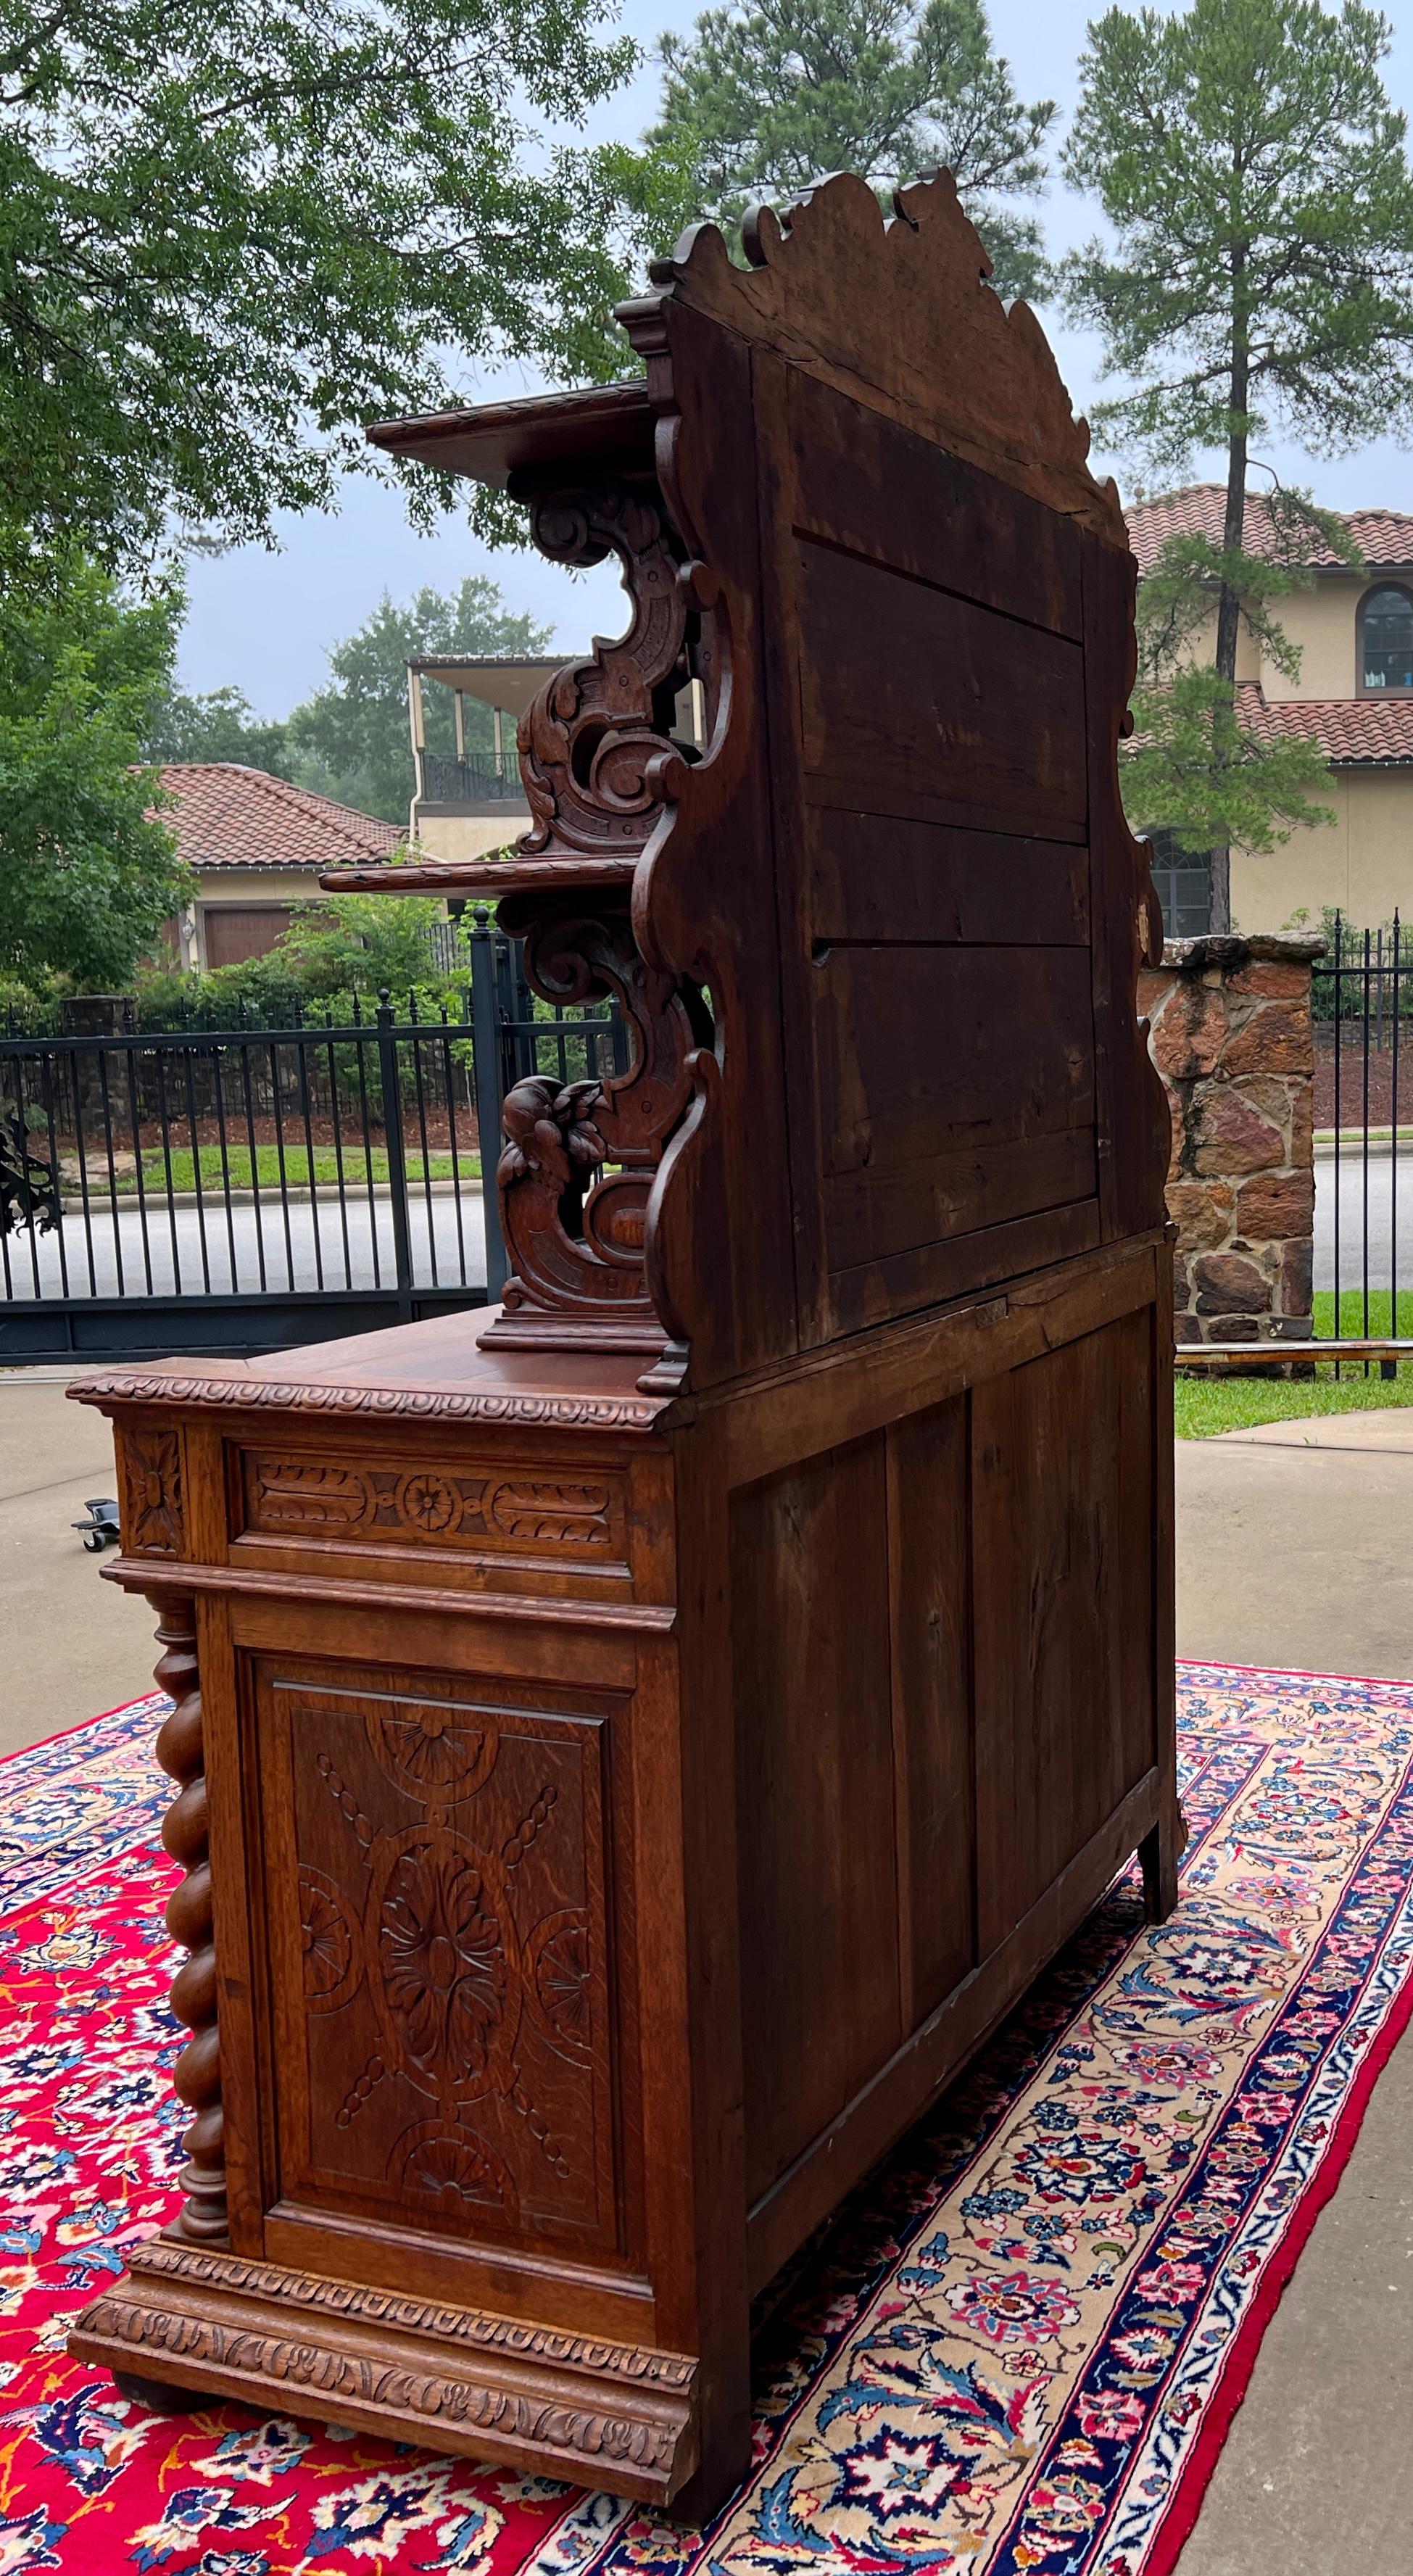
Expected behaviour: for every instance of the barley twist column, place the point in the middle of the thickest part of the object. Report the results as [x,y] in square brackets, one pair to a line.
[197,2074]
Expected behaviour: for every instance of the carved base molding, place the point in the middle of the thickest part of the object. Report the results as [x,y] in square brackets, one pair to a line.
[450,2378]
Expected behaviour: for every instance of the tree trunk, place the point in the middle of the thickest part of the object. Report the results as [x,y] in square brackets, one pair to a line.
[1233,538]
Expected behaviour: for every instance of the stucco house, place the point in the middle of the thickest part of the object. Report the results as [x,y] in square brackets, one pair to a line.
[1354,695]
[255,847]
[468,802]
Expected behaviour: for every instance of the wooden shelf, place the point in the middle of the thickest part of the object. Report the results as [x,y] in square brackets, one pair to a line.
[490,878]
[607,425]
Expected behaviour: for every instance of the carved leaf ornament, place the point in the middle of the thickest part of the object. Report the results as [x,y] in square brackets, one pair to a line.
[592,742]
[441,1952]
[574,1229]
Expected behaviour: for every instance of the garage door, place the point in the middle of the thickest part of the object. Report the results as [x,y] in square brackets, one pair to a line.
[231,931]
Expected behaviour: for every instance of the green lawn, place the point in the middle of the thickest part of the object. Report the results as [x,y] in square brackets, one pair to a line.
[267,1168]
[1204,1405]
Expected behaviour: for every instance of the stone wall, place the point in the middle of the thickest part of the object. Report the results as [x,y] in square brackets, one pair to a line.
[1229,1028]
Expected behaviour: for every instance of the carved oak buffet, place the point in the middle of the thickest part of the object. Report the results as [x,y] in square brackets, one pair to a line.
[644,1742]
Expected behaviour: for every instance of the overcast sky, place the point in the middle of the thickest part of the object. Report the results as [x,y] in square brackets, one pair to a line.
[267,621]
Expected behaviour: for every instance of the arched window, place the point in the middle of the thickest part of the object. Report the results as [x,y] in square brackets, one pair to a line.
[1386,640]
[1183,886]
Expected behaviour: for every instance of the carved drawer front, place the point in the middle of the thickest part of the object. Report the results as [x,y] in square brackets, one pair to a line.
[436,1891]
[504,1511]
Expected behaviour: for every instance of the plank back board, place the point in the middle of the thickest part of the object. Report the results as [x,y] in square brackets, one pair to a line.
[933,861]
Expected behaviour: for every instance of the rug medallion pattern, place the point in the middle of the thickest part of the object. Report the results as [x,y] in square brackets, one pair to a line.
[999,2358]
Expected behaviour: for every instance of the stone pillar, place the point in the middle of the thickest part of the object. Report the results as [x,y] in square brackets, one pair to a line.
[1229,1029]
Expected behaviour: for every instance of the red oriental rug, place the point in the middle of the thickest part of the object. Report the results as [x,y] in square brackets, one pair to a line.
[1019,2347]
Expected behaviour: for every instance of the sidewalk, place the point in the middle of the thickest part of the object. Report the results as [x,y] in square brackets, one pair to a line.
[72,1645]
[1295,1548]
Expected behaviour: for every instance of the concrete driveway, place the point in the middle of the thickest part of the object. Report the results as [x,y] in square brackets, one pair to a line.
[72,1646]
[1295,1548]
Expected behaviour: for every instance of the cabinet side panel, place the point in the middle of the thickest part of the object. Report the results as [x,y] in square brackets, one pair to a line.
[437,1888]
[929,1556]
[1063,1544]
[814,1754]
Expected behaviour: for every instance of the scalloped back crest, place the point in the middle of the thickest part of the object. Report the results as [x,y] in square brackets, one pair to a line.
[896,312]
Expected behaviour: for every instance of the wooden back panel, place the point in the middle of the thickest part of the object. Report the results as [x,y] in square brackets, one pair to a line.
[930,674]
[933,862]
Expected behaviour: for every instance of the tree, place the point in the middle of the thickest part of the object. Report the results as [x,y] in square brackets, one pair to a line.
[231,235]
[88,871]
[1193,767]
[1261,272]
[222,725]
[357,727]
[761,99]
[368,943]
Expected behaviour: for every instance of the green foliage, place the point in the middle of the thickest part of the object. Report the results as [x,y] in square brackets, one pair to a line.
[1203,1407]
[88,873]
[355,731]
[1194,769]
[361,944]
[1248,159]
[231,235]
[762,99]
[1261,270]
[1180,594]
[222,725]
[290,1164]
[1193,766]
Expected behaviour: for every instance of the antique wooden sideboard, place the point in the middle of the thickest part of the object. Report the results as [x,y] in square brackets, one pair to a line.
[633,1745]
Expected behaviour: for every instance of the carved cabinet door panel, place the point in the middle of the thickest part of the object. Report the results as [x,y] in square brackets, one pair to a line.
[443,2050]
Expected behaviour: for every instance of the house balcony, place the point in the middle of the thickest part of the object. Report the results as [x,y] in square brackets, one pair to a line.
[468,785]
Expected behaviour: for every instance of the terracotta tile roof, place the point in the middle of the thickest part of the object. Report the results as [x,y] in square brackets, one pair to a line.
[1384,537]
[1352,732]
[227,816]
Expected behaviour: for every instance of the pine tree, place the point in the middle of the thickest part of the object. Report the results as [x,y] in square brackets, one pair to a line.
[1261,274]
[765,97]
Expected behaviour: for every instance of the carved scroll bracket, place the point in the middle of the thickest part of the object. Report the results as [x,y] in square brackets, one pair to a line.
[597,752]
[605,754]
[580,1157]
[197,2075]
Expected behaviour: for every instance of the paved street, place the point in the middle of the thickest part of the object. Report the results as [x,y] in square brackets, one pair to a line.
[162,1255]
[1390,1197]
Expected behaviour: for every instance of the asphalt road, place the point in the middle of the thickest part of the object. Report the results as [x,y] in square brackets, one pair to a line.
[1389,1219]
[236,1245]
[247,1249]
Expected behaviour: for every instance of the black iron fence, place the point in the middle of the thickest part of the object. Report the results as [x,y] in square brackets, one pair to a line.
[250,1188]
[1362,1011]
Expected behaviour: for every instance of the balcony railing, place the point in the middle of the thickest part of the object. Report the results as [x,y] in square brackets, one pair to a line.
[474,781]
